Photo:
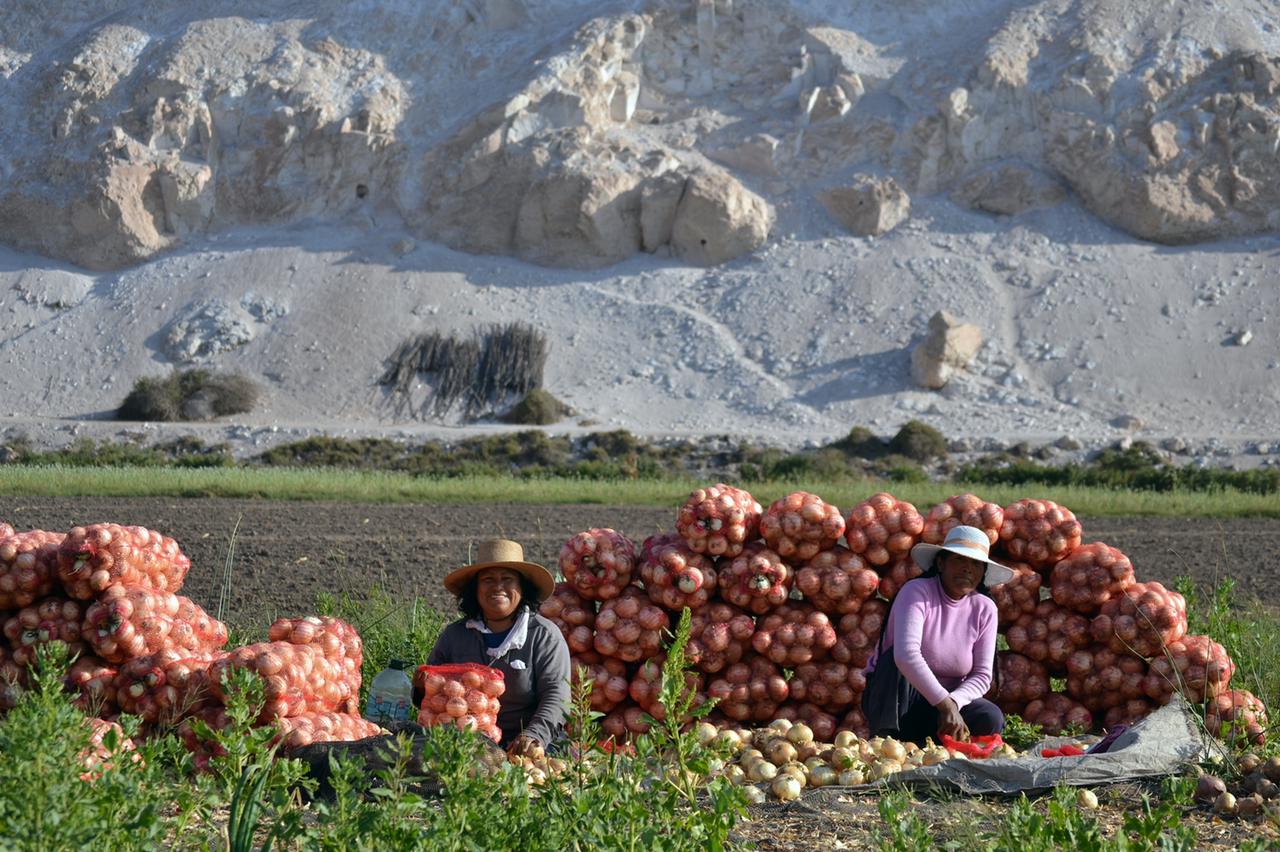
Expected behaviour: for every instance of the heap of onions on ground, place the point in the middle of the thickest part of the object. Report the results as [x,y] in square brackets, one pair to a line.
[786,616]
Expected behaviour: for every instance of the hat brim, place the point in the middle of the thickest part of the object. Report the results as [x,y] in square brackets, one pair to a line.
[541,578]
[923,555]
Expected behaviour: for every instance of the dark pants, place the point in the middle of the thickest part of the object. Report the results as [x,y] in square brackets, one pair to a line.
[921,720]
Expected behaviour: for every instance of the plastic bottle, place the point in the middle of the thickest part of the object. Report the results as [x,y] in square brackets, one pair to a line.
[390,695]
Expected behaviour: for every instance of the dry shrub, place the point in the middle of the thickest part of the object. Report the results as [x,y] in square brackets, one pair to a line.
[189,395]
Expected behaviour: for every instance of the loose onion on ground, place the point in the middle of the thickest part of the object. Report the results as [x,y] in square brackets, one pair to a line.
[1089,576]
[1038,532]
[718,520]
[962,510]
[598,563]
[756,579]
[883,529]
[801,525]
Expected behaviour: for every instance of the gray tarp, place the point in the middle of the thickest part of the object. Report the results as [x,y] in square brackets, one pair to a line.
[1165,742]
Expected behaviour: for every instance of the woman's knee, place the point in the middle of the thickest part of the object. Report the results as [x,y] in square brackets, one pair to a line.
[982,718]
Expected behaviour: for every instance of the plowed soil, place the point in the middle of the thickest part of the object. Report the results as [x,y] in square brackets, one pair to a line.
[286,552]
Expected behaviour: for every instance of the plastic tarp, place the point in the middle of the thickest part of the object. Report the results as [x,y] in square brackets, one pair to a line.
[1165,742]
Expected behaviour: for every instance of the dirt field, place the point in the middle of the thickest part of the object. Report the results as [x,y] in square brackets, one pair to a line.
[286,552]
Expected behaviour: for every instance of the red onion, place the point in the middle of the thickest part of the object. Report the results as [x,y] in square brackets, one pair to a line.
[1021,680]
[718,520]
[629,627]
[675,577]
[1237,717]
[801,525]
[1055,712]
[837,581]
[574,615]
[1195,666]
[719,634]
[1019,596]
[1143,620]
[883,528]
[598,563]
[1089,576]
[962,510]
[756,579]
[794,633]
[1038,532]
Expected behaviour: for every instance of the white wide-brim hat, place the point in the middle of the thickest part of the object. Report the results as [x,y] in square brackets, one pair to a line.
[965,541]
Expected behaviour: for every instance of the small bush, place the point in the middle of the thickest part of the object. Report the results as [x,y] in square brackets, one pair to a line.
[861,443]
[189,395]
[919,442]
[538,408]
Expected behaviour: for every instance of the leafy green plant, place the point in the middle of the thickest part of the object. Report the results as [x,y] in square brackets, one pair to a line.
[906,831]
[1019,733]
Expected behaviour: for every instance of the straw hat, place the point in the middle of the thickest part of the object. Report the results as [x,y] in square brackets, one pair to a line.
[965,541]
[501,553]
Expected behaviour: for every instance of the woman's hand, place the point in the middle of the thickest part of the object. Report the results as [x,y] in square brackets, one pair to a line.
[523,746]
[950,721]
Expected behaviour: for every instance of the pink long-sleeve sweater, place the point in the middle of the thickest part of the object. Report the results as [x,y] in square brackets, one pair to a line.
[943,647]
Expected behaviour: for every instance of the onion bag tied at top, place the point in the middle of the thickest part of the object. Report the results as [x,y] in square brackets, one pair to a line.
[464,695]
[92,558]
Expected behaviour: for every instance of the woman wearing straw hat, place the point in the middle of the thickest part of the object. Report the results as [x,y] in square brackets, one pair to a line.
[935,658]
[499,595]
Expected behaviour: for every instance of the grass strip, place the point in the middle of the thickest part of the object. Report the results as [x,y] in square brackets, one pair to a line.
[331,484]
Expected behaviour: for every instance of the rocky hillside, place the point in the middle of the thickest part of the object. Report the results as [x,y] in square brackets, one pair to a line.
[849,168]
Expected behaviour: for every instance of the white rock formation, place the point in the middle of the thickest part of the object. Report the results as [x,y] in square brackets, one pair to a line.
[870,207]
[949,346]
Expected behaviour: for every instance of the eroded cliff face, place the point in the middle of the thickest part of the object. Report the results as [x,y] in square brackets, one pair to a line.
[572,136]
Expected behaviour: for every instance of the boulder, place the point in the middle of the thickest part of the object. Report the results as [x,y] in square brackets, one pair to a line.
[1008,190]
[206,330]
[871,207]
[950,345]
[718,219]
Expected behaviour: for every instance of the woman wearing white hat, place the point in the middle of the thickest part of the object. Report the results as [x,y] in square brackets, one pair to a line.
[935,659]
[499,595]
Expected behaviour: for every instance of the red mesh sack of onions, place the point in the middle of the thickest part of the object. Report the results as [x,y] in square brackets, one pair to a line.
[629,627]
[883,528]
[756,579]
[822,723]
[1195,666]
[1020,596]
[1048,635]
[675,577]
[94,557]
[53,619]
[646,687]
[624,722]
[719,634]
[464,695]
[28,566]
[598,563]
[574,615]
[338,640]
[750,690]
[897,576]
[1038,532]
[296,679]
[610,680]
[1127,712]
[133,621]
[855,721]
[1099,678]
[831,686]
[794,633]
[1142,620]
[718,520]
[1021,681]
[164,687]
[1089,576]
[967,510]
[106,742]
[1236,716]
[92,679]
[324,727]
[837,581]
[800,526]
[858,632]
[1055,712]
[6,530]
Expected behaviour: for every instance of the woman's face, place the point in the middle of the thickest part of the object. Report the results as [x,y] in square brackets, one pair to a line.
[960,574]
[498,593]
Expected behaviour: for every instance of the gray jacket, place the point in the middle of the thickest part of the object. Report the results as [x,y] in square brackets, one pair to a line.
[537,697]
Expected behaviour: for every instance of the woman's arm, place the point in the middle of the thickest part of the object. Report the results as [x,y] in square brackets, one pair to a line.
[551,678]
[978,680]
[908,630]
